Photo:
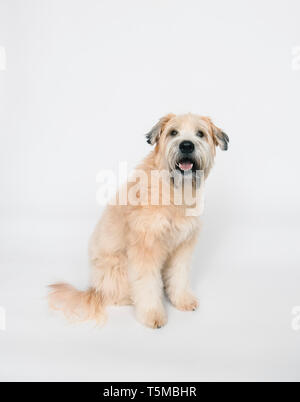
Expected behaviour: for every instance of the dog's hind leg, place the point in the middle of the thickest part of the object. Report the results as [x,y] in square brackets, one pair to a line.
[110,278]
[109,286]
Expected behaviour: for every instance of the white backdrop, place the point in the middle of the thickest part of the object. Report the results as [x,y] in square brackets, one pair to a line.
[84,80]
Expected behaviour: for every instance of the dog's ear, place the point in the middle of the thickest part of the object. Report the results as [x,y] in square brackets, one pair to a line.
[155,132]
[220,138]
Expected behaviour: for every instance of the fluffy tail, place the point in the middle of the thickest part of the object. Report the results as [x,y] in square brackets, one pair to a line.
[75,304]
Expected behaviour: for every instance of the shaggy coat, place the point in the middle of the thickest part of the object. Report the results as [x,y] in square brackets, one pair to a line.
[138,251]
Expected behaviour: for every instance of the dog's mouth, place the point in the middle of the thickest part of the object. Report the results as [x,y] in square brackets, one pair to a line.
[186,165]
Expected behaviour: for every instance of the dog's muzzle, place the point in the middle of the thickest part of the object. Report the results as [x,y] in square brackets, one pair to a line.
[186,161]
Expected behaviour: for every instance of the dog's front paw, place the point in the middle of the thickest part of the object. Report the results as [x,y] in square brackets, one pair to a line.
[155,318]
[185,302]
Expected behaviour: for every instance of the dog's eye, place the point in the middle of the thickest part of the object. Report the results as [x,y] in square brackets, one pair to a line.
[173,133]
[200,134]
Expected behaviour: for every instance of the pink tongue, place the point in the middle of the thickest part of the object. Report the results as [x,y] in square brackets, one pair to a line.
[185,165]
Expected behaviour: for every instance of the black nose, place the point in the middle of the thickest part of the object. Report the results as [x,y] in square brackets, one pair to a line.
[186,147]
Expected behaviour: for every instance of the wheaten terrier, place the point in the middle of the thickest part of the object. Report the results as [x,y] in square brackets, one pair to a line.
[141,247]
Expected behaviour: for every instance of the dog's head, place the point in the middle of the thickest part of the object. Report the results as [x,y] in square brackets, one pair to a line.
[186,142]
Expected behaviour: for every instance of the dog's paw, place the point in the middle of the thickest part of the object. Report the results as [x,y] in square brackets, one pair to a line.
[186,302]
[153,318]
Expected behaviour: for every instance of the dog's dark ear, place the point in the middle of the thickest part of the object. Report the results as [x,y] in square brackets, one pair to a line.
[220,138]
[155,132]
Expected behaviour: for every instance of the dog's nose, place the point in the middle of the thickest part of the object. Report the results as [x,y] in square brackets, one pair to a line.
[186,147]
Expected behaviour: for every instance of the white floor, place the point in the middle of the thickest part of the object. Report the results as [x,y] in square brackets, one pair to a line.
[245,274]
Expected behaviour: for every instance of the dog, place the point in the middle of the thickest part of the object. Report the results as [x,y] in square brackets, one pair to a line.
[138,251]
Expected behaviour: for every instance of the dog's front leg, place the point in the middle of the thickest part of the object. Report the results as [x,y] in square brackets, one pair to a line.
[144,268]
[176,277]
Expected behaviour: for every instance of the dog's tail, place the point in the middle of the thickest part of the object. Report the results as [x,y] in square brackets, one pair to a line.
[77,305]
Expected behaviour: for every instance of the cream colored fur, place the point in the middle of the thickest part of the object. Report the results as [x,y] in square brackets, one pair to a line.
[138,251]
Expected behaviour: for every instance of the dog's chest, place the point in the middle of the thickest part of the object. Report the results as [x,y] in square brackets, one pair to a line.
[181,230]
